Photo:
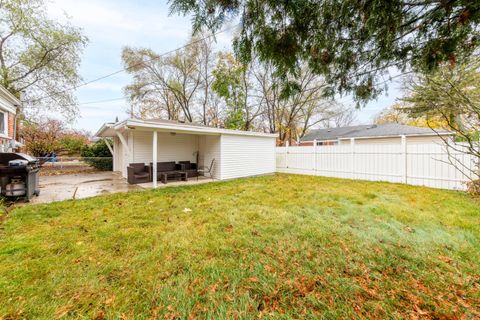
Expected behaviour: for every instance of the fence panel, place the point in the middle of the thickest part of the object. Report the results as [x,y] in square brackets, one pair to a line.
[425,164]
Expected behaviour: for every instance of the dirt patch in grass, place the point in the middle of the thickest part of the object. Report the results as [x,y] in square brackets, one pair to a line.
[283,246]
[56,169]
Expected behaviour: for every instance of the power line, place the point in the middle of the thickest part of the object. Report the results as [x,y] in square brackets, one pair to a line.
[315,88]
[101,101]
[137,64]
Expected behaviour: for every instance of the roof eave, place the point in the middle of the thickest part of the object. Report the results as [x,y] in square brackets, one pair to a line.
[102,129]
[181,128]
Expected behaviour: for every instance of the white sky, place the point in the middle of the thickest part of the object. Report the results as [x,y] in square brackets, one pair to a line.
[113,24]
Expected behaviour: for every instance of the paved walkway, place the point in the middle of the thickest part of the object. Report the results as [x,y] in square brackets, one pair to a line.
[77,186]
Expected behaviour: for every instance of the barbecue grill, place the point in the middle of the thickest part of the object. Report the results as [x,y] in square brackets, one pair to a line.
[18,175]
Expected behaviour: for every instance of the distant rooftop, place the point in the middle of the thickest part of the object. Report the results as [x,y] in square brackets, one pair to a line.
[369,131]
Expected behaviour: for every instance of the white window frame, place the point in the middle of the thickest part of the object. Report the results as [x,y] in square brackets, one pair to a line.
[5,125]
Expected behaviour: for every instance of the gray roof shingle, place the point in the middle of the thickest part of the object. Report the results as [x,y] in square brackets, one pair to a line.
[381,130]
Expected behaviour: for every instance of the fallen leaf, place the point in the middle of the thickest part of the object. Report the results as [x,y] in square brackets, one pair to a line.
[445,259]
[109,302]
[187,210]
[253,279]
[100,315]
[63,311]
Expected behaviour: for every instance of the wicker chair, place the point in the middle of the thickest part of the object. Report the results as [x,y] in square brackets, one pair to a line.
[138,173]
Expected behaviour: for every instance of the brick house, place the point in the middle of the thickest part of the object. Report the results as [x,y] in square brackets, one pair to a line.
[8,110]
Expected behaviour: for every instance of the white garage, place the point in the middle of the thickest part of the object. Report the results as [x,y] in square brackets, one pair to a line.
[234,153]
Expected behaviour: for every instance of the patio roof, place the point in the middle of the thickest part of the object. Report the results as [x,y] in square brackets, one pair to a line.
[110,129]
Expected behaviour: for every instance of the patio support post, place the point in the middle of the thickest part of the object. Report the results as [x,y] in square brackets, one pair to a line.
[154,159]
[315,156]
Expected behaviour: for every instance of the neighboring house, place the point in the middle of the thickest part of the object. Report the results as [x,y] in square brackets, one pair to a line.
[8,110]
[389,133]
[236,153]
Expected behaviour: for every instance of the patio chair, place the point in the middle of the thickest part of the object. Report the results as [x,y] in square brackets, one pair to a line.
[138,173]
[206,170]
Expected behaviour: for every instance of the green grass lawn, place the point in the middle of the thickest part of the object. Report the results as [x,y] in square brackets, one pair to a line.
[282,246]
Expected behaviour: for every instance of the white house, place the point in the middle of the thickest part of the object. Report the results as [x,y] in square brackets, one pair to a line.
[236,153]
[8,110]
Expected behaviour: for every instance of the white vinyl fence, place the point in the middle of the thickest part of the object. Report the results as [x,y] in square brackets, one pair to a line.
[425,164]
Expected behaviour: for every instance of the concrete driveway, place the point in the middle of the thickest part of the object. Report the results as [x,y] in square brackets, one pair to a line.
[77,186]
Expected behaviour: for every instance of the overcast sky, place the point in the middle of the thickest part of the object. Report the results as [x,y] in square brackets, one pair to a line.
[113,24]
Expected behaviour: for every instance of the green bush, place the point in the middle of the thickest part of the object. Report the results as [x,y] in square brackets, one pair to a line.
[98,156]
[73,143]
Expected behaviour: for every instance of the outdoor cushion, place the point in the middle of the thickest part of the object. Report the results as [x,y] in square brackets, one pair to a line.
[166,166]
[138,167]
[188,164]
[142,174]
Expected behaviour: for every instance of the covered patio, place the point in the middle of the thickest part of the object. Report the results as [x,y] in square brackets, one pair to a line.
[224,153]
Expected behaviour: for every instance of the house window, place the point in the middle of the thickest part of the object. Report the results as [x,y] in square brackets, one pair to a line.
[327,143]
[3,123]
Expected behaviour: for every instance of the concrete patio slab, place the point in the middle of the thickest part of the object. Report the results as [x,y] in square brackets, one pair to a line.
[78,186]
[84,185]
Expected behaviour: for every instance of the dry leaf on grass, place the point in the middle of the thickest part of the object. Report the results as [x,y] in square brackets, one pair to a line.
[63,311]
[109,302]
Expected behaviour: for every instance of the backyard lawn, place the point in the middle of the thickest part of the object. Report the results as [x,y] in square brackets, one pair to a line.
[283,246]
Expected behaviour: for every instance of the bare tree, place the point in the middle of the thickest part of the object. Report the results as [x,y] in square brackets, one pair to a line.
[208,100]
[176,87]
[291,118]
[344,116]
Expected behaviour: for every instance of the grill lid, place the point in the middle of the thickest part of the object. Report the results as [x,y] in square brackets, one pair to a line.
[18,163]
[6,157]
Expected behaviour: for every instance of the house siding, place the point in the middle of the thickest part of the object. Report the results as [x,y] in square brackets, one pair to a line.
[243,156]
[178,147]
[209,149]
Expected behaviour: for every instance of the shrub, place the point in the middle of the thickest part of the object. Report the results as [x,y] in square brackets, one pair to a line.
[473,188]
[41,137]
[98,156]
[73,143]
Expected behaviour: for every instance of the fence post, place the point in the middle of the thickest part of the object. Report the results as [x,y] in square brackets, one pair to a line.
[315,156]
[404,159]
[287,144]
[352,157]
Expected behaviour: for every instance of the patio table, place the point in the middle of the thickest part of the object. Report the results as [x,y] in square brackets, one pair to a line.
[178,175]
